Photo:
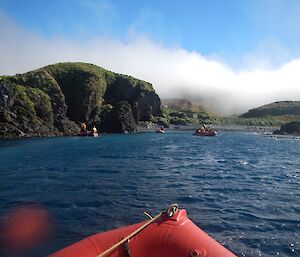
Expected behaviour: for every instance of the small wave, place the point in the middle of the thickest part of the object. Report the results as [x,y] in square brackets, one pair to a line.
[242,162]
[189,199]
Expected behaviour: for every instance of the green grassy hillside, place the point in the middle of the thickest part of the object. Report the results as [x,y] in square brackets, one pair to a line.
[277,109]
[179,111]
[184,112]
[182,105]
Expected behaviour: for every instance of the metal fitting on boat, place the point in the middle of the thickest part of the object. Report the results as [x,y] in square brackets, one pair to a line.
[194,253]
[171,210]
[198,253]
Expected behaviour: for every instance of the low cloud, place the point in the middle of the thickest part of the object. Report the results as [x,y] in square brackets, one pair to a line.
[173,71]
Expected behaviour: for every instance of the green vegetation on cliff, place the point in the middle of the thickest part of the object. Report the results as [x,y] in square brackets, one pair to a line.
[56,98]
[183,105]
[119,118]
[180,111]
[24,109]
[274,114]
[284,108]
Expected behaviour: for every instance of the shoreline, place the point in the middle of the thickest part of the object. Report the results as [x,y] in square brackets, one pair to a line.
[241,128]
[266,130]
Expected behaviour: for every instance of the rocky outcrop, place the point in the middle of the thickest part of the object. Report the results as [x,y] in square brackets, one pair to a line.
[291,128]
[118,118]
[57,98]
[139,94]
[24,110]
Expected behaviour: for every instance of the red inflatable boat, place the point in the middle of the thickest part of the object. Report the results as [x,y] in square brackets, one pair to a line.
[159,131]
[169,234]
[207,133]
[88,134]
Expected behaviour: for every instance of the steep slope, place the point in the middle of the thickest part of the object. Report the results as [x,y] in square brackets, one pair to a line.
[183,105]
[56,98]
[24,109]
[180,111]
[274,109]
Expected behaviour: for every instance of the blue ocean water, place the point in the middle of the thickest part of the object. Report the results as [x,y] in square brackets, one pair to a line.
[241,188]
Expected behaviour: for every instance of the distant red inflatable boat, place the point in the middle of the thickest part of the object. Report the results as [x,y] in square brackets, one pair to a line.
[88,134]
[169,234]
[210,133]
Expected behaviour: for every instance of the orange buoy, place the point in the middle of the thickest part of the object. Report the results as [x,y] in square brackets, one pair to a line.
[175,236]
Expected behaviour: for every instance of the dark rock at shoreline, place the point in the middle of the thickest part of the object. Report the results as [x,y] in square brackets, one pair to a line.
[55,99]
[119,119]
[291,128]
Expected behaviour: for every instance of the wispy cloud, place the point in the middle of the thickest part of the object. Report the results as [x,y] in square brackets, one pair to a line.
[174,72]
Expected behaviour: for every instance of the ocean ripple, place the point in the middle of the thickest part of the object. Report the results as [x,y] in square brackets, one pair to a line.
[241,188]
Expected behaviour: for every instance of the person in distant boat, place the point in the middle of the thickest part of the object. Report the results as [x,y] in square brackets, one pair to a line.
[83,127]
[94,130]
[162,128]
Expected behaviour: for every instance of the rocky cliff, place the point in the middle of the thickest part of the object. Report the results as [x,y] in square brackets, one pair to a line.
[55,99]
[290,128]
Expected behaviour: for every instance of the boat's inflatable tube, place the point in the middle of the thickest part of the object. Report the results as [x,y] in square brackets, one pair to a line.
[177,236]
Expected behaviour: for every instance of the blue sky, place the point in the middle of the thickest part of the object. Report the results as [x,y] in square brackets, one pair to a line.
[233,54]
[227,28]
